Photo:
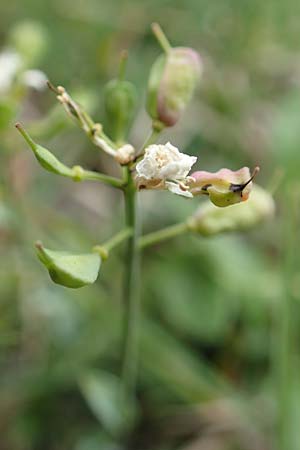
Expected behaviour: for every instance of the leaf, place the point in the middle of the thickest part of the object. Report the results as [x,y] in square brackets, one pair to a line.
[102,391]
[68,269]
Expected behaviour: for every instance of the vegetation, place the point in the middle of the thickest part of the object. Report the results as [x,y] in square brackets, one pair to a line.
[217,339]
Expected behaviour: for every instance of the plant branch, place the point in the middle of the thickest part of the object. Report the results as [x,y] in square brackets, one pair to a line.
[122,65]
[151,139]
[163,234]
[113,242]
[96,176]
[93,130]
[161,37]
[131,293]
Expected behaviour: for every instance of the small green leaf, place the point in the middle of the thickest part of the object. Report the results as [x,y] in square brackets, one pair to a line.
[68,269]
[45,157]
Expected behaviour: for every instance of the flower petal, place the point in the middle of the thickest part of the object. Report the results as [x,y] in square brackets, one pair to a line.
[175,188]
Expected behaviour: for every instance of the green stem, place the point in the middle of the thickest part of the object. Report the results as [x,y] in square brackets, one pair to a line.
[161,37]
[151,139]
[52,164]
[116,240]
[122,65]
[154,133]
[92,129]
[283,351]
[161,235]
[96,176]
[131,293]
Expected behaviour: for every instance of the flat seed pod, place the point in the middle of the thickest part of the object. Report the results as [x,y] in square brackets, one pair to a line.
[171,85]
[68,269]
[46,159]
[225,187]
[210,220]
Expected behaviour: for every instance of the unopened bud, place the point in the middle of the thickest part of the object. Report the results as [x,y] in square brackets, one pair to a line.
[125,154]
[172,82]
[210,220]
[120,102]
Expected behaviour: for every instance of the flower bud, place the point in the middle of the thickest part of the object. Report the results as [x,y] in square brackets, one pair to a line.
[70,270]
[210,220]
[172,82]
[120,102]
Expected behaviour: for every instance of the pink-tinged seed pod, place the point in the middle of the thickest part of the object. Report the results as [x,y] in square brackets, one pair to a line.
[172,82]
[210,220]
[225,187]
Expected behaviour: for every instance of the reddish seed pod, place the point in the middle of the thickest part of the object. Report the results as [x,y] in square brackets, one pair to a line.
[172,82]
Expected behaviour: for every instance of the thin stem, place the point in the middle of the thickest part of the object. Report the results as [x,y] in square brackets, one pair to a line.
[25,135]
[96,176]
[161,37]
[104,249]
[163,234]
[93,130]
[52,164]
[131,293]
[151,139]
[283,351]
[122,65]
[116,240]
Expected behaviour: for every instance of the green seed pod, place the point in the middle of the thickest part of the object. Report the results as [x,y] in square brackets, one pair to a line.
[120,102]
[70,270]
[172,82]
[210,220]
[46,159]
[225,187]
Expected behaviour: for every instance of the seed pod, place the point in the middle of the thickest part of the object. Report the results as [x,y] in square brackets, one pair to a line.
[210,220]
[120,102]
[70,270]
[172,82]
[46,159]
[225,187]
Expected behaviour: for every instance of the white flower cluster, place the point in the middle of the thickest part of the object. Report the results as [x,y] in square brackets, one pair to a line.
[11,69]
[164,167]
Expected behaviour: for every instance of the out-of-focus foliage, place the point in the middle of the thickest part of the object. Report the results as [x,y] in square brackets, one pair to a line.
[219,335]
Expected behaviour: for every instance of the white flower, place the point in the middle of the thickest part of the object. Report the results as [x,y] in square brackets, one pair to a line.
[10,63]
[179,189]
[164,166]
[34,79]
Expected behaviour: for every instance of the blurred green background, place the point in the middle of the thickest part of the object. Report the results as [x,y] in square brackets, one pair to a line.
[219,343]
